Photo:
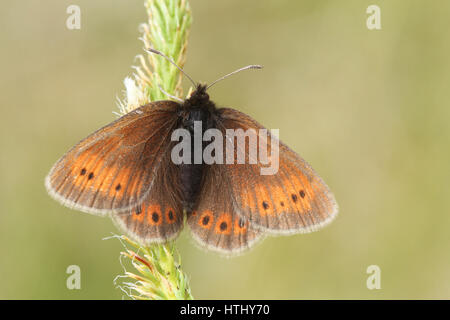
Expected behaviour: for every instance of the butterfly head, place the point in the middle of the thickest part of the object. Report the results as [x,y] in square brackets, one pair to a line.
[199,99]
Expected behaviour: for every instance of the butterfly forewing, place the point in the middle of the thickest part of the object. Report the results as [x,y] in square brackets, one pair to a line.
[292,200]
[113,169]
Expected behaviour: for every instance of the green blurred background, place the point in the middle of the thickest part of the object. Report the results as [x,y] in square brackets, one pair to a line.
[369,110]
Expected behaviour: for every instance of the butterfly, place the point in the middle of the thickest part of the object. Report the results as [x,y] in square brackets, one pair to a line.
[125,170]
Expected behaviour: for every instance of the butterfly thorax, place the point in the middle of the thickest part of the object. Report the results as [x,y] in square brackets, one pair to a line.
[198,107]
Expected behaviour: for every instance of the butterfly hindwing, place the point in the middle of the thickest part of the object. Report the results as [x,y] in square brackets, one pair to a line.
[160,216]
[214,223]
[292,200]
[112,169]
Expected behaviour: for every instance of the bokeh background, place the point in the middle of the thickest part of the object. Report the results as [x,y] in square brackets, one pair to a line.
[369,110]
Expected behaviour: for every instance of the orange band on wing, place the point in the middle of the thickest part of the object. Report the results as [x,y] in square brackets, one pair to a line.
[154,216]
[264,201]
[240,226]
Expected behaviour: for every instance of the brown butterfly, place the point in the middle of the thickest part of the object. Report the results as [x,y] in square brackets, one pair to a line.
[125,170]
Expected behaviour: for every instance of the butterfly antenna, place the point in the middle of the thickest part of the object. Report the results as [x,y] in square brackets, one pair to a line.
[169,95]
[151,50]
[252,66]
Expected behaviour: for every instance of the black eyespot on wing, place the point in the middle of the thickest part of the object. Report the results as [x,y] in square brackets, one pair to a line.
[223,226]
